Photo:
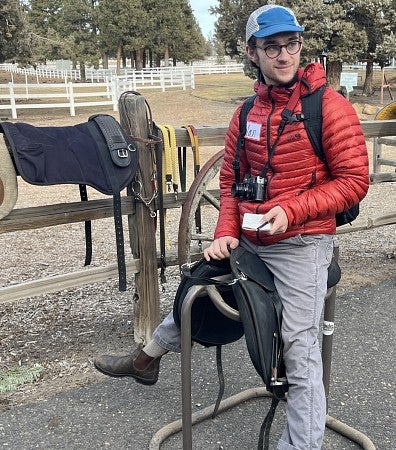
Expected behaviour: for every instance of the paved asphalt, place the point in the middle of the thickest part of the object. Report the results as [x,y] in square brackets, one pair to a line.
[119,414]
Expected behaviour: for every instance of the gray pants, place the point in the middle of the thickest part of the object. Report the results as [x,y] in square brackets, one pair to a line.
[299,265]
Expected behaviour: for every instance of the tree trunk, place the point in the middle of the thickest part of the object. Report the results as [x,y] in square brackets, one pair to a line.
[151,58]
[144,58]
[138,60]
[132,57]
[105,61]
[83,76]
[166,56]
[119,54]
[333,72]
[368,82]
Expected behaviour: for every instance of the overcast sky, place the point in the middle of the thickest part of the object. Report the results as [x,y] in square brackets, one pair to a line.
[201,12]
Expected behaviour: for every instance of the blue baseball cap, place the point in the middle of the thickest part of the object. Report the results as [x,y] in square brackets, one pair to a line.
[271,19]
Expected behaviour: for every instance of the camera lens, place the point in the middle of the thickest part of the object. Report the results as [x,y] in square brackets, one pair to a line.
[238,190]
[244,190]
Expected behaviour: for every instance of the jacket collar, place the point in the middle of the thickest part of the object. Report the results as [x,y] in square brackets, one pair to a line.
[313,77]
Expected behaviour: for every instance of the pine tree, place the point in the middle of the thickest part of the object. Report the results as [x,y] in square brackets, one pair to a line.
[76,25]
[377,19]
[14,42]
[122,30]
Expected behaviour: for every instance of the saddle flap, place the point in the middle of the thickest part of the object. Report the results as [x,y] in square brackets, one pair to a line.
[249,264]
[334,273]
[261,315]
[208,325]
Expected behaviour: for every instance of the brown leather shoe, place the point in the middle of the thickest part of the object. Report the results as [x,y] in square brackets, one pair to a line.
[123,366]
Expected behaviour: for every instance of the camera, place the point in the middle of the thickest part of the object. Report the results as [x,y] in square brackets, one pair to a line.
[252,189]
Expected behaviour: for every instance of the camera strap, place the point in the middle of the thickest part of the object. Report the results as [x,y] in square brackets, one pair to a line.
[287,117]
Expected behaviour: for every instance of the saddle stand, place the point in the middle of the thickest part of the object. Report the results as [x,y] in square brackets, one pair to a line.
[189,419]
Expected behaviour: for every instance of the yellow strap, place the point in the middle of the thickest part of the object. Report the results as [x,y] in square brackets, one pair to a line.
[174,155]
[170,159]
[192,133]
[170,168]
[166,160]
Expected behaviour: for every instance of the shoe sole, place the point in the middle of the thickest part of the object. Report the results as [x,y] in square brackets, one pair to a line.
[135,377]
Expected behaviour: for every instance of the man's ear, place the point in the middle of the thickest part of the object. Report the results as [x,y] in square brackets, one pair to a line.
[252,54]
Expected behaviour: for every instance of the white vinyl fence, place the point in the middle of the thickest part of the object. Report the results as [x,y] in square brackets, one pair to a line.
[74,95]
[102,75]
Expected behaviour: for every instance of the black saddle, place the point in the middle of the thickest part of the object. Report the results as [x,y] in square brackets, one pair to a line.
[97,153]
[249,287]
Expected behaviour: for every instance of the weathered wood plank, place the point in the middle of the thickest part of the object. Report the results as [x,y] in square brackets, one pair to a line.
[59,214]
[76,279]
[214,136]
[382,177]
[63,213]
[386,162]
[48,285]
[379,128]
[142,225]
[369,223]
[387,140]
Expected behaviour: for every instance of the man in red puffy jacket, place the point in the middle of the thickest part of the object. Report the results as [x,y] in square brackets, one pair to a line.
[299,196]
[302,195]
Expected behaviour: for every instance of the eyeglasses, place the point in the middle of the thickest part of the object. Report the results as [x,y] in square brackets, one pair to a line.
[273,51]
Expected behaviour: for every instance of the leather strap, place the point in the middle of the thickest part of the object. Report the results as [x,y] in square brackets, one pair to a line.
[107,161]
[192,133]
[88,227]
[118,146]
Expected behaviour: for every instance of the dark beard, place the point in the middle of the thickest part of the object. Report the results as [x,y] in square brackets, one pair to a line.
[290,84]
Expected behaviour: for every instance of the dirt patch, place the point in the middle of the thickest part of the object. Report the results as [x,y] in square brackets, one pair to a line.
[64,331]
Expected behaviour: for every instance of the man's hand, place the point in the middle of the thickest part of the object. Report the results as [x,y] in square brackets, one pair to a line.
[218,249]
[278,219]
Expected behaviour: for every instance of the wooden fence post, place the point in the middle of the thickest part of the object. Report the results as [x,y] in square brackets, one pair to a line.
[12,100]
[133,119]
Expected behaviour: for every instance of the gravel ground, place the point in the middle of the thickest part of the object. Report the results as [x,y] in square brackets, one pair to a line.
[64,331]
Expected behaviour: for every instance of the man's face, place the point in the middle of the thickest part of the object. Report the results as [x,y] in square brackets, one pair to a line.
[277,69]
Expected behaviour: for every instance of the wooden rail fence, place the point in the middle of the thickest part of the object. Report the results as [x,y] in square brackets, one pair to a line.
[146,261]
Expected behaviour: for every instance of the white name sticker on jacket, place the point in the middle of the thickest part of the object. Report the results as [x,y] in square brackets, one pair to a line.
[253,130]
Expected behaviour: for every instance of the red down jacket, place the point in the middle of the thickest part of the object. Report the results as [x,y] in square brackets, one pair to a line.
[298,181]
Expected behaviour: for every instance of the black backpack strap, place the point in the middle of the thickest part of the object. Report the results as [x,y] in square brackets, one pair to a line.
[246,107]
[312,112]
